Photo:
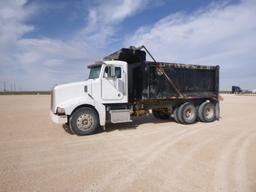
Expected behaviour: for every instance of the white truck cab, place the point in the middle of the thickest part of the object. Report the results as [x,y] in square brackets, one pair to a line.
[82,104]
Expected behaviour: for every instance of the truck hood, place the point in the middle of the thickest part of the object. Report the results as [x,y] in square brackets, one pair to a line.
[65,92]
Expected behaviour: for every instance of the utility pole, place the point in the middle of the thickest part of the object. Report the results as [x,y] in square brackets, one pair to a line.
[14,84]
[4,86]
[11,86]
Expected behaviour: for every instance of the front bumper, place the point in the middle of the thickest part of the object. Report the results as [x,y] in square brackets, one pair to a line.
[58,119]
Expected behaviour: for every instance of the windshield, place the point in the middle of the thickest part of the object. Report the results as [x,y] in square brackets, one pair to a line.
[94,72]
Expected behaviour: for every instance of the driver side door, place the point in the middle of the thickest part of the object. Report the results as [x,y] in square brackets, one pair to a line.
[113,86]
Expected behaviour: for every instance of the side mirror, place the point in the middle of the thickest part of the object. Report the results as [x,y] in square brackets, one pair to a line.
[111,71]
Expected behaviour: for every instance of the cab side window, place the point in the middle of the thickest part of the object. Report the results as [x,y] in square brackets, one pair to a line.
[118,72]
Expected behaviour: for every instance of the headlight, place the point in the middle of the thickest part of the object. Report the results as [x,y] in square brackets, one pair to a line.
[60,111]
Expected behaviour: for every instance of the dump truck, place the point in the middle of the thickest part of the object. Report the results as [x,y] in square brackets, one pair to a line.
[124,84]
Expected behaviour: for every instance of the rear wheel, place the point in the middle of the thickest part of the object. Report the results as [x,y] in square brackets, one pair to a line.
[217,110]
[207,112]
[175,114]
[187,113]
[84,121]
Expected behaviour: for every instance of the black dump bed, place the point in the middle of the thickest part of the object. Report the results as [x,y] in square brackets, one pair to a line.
[145,82]
[130,55]
[156,80]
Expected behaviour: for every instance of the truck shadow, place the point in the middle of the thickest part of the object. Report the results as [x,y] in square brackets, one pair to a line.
[67,129]
[136,121]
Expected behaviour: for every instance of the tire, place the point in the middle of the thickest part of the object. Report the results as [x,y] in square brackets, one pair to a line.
[84,121]
[179,115]
[175,114]
[207,112]
[217,110]
[187,113]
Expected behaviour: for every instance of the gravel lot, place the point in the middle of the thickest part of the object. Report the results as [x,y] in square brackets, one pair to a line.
[146,155]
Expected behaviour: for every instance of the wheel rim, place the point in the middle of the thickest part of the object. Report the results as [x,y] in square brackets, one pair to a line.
[209,112]
[84,122]
[189,114]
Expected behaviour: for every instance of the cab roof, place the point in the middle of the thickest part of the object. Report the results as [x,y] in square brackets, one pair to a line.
[97,63]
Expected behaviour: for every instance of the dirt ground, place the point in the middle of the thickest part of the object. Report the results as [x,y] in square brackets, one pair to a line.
[147,155]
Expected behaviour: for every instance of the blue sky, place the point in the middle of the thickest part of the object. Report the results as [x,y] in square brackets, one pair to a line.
[48,42]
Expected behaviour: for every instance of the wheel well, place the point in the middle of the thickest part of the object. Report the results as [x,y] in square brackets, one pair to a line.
[85,105]
[195,102]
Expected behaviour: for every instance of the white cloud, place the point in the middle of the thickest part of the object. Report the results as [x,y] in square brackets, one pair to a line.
[12,28]
[40,63]
[103,20]
[36,63]
[223,34]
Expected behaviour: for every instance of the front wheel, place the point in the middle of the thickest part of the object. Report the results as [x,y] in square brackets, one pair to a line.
[84,121]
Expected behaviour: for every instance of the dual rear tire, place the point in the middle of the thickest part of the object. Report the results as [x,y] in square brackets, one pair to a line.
[207,112]
[187,113]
